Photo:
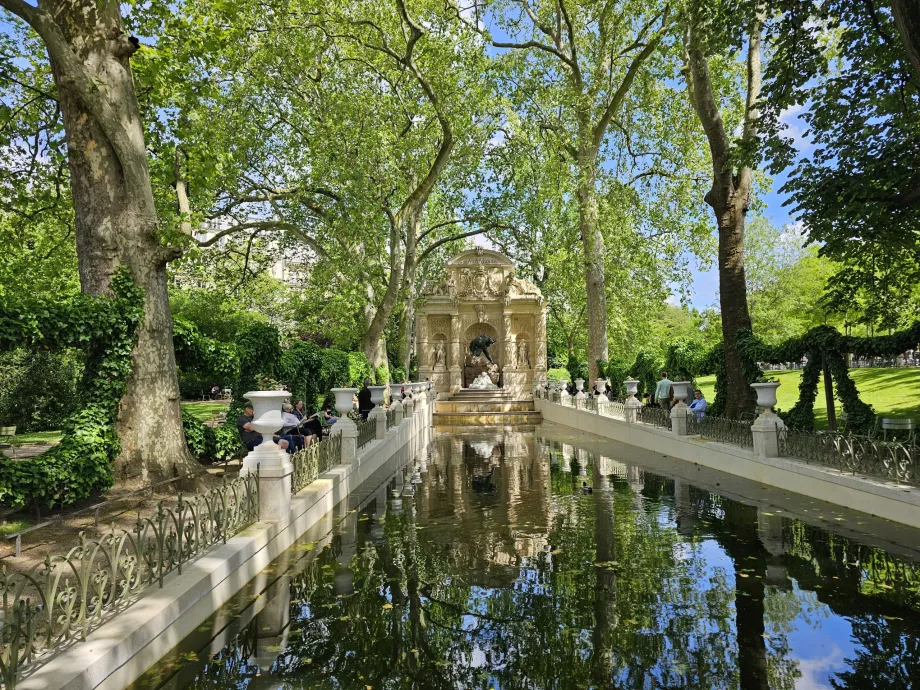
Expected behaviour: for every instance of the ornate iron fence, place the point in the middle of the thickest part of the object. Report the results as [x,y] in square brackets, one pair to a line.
[591,405]
[62,599]
[367,432]
[391,418]
[613,409]
[721,429]
[655,416]
[890,460]
[311,462]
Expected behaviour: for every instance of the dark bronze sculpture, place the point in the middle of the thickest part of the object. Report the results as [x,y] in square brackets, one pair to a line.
[480,346]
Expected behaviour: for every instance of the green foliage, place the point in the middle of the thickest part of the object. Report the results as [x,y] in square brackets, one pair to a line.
[617,372]
[202,361]
[577,368]
[105,328]
[310,371]
[39,388]
[602,365]
[557,374]
[259,350]
[683,360]
[198,436]
[646,369]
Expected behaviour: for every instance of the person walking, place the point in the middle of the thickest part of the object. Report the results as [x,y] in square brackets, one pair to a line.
[663,392]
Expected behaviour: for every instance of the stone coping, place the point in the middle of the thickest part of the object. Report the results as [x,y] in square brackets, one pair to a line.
[867,494]
[120,650]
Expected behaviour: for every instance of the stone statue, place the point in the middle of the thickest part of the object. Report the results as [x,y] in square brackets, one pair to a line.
[523,354]
[480,346]
[439,356]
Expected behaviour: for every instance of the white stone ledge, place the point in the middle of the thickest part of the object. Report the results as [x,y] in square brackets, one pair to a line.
[119,651]
[867,494]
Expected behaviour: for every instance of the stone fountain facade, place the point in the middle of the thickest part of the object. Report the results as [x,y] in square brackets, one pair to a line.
[482,296]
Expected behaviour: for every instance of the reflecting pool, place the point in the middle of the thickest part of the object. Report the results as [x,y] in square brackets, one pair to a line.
[537,559]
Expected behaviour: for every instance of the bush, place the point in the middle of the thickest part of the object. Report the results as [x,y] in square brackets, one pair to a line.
[557,375]
[39,388]
[577,369]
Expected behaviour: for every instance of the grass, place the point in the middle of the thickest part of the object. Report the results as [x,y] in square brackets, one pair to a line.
[33,437]
[13,526]
[203,411]
[206,409]
[891,392]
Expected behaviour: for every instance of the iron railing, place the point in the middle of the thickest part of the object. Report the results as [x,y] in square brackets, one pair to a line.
[613,409]
[311,462]
[720,429]
[654,416]
[890,460]
[367,432]
[391,418]
[591,405]
[62,599]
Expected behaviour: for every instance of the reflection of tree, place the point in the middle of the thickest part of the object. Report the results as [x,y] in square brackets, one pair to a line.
[451,591]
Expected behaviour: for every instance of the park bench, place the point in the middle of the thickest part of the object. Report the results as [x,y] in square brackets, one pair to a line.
[898,429]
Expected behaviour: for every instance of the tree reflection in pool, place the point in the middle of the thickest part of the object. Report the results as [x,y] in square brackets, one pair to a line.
[647,582]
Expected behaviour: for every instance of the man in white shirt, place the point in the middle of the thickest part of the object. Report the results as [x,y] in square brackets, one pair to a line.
[699,404]
[663,392]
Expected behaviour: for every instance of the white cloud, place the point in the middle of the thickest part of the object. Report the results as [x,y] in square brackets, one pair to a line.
[796,127]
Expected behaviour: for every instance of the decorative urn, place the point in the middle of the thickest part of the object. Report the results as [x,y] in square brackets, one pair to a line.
[266,420]
[395,392]
[632,387]
[766,394]
[344,400]
[377,393]
[681,391]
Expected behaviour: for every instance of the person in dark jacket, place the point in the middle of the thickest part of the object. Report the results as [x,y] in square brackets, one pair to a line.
[364,400]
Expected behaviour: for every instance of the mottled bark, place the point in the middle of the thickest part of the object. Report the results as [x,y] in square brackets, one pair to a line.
[115,216]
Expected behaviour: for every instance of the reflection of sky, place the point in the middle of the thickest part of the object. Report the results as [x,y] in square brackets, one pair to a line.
[821,648]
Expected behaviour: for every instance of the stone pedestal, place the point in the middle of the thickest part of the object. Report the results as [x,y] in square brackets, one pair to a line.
[632,410]
[679,419]
[765,431]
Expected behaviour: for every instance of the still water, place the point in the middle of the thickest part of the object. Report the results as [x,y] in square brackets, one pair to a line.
[535,559]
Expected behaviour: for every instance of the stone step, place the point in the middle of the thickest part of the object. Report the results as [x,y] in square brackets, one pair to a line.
[465,405]
[485,418]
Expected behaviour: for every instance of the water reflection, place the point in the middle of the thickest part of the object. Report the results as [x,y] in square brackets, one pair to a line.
[520,560]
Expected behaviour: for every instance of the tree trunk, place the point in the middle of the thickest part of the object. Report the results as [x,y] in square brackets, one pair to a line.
[733,304]
[409,273]
[593,246]
[372,342]
[907,19]
[116,222]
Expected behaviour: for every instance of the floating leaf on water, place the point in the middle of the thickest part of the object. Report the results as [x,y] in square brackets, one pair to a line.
[891,618]
[387,606]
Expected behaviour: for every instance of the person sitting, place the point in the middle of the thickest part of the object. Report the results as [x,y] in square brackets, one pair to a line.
[292,426]
[364,400]
[647,400]
[327,417]
[699,404]
[252,438]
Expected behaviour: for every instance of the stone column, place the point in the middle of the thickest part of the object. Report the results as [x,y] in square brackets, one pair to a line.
[272,463]
[540,345]
[345,427]
[507,343]
[421,345]
[456,354]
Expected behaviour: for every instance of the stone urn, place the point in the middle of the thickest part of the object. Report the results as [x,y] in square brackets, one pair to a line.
[766,395]
[632,387]
[681,391]
[601,386]
[580,389]
[395,396]
[377,393]
[344,403]
[266,420]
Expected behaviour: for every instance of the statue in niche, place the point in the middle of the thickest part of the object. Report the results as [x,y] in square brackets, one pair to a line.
[479,347]
[480,313]
[523,354]
[439,355]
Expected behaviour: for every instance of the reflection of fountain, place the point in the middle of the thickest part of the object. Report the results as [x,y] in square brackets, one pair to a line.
[484,449]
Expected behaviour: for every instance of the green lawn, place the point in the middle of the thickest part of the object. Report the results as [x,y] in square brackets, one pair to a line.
[202,411]
[205,410]
[33,437]
[891,392]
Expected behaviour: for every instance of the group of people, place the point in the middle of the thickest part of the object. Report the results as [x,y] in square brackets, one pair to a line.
[299,429]
[664,397]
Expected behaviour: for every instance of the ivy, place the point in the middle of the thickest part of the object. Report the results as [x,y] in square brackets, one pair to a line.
[105,328]
[646,369]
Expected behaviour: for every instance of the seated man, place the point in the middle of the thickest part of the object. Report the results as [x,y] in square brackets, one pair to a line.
[252,438]
[699,404]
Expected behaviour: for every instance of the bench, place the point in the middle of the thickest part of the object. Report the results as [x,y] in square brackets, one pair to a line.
[898,428]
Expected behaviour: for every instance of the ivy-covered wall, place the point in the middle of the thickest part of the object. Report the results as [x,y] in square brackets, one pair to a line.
[105,329]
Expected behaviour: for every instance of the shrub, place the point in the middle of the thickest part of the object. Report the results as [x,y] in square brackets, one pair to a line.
[557,375]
